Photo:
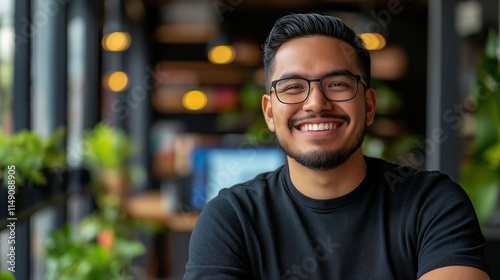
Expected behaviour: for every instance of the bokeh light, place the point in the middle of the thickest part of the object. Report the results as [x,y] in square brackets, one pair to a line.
[194,100]
[221,54]
[116,41]
[116,81]
[373,41]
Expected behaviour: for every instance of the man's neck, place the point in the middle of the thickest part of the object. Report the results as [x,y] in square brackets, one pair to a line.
[330,183]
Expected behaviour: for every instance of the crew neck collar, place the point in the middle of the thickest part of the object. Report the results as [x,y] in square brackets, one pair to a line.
[333,203]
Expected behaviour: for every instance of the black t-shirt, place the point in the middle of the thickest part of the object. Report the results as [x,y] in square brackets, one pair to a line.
[399,223]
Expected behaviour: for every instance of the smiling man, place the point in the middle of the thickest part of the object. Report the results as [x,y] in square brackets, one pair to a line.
[331,212]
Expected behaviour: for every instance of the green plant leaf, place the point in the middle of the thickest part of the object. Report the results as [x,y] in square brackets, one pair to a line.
[126,250]
[7,276]
[482,185]
[492,156]
[492,44]
[106,148]
[32,155]
[251,97]
[481,175]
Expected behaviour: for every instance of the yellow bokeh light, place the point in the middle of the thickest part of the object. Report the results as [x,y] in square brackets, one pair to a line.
[116,41]
[221,54]
[194,100]
[116,81]
[373,41]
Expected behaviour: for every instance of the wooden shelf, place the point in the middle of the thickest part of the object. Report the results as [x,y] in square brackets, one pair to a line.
[148,206]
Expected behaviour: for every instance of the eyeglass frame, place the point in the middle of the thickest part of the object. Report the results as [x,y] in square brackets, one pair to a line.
[357,78]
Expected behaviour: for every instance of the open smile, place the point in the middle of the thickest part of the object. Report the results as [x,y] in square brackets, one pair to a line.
[319,126]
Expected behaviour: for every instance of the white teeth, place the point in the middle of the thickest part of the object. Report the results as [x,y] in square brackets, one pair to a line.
[318,127]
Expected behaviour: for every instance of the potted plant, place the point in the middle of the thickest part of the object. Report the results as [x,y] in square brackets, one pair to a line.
[31,156]
[481,174]
[101,248]
[101,245]
[106,154]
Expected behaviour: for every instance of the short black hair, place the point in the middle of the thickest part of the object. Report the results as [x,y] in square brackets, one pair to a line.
[304,25]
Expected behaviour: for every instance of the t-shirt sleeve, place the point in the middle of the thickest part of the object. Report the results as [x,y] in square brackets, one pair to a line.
[447,228]
[216,247]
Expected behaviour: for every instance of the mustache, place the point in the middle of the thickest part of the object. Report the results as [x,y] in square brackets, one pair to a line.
[293,121]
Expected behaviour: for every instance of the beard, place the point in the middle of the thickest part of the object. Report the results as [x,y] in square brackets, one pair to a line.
[323,160]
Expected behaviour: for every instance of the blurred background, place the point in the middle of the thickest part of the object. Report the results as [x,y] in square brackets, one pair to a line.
[122,118]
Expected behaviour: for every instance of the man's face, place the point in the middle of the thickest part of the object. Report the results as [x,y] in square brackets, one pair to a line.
[312,58]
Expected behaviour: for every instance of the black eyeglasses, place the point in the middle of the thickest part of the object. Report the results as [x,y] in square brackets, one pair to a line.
[337,87]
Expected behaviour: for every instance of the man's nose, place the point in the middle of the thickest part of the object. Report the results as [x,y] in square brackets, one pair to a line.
[316,101]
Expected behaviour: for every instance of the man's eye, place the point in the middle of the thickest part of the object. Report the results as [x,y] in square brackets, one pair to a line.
[294,87]
[338,85]
[291,89]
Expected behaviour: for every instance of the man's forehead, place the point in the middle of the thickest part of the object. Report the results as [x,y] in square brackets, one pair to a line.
[308,75]
[321,53]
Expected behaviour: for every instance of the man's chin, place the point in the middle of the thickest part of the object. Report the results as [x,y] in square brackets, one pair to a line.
[321,159]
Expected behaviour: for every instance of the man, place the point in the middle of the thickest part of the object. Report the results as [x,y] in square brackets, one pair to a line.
[330,212]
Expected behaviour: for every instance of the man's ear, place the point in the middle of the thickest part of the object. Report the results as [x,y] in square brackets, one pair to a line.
[371,104]
[268,112]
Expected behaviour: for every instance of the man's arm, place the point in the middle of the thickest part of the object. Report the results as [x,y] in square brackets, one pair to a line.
[456,273]
[216,247]
[450,242]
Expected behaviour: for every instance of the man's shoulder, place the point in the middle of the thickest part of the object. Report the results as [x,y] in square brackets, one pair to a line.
[408,178]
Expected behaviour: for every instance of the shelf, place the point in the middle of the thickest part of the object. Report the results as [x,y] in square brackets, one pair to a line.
[149,206]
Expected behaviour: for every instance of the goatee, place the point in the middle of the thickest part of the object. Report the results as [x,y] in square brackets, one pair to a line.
[325,160]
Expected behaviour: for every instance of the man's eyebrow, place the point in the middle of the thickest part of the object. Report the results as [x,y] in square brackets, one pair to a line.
[288,75]
[338,72]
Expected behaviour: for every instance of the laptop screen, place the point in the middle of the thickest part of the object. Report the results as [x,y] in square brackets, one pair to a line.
[217,168]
